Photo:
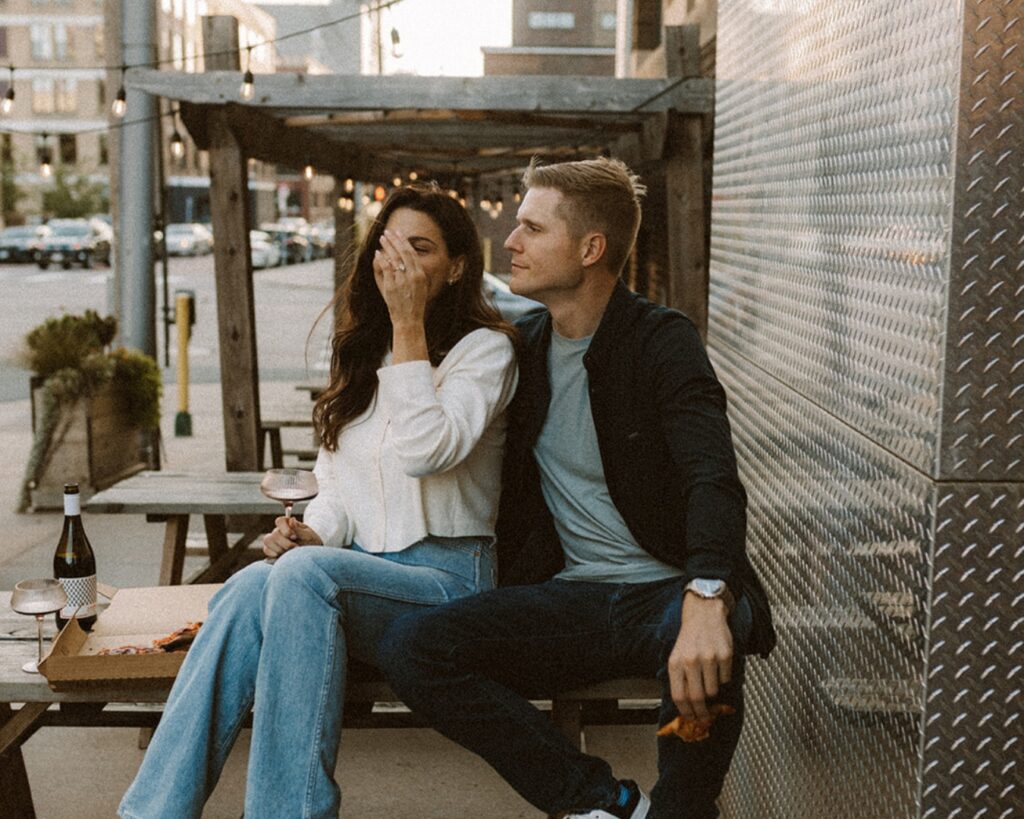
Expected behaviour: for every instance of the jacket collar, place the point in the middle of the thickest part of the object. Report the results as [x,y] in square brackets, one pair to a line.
[612,322]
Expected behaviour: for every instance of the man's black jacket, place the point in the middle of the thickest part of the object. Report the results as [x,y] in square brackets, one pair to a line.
[665,443]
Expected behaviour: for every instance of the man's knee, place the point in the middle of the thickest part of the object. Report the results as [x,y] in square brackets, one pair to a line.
[413,642]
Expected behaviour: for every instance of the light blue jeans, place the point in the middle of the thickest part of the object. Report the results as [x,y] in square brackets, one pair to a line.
[276,641]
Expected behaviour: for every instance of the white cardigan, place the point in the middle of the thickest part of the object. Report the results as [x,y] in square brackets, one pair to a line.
[425,457]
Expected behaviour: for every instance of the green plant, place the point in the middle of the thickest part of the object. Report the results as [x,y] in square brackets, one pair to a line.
[72,354]
[74,198]
[63,342]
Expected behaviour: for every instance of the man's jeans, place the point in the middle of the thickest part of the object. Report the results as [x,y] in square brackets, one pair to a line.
[279,635]
[470,667]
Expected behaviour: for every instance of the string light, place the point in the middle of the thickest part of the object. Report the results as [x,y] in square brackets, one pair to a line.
[45,166]
[248,90]
[177,145]
[120,106]
[8,104]
[397,180]
[309,172]
[349,185]
[396,44]
[413,176]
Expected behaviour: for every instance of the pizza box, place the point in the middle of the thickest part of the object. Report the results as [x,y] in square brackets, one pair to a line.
[135,617]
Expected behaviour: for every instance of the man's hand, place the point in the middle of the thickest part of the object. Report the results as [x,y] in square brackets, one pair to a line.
[288,533]
[701,660]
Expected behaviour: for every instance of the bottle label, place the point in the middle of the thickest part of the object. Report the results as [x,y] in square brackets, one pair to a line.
[72,504]
[81,592]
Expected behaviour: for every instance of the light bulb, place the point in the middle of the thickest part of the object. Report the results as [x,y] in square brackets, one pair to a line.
[413,176]
[397,181]
[485,204]
[8,104]
[120,105]
[46,169]
[349,185]
[248,89]
[177,146]
[309,172]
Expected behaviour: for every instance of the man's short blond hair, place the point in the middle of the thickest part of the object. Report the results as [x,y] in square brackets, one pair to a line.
[599,195]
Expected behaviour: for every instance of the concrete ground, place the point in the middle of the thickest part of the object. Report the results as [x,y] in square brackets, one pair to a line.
[80,773]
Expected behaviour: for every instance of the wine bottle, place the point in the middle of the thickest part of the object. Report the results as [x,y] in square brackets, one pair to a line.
[74,564]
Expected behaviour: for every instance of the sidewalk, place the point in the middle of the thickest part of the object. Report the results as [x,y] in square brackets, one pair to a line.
[384,774]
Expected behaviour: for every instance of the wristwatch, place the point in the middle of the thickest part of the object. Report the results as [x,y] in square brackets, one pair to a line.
[711,590]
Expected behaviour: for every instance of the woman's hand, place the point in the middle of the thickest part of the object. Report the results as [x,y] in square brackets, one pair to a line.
[401,280]
[288,533]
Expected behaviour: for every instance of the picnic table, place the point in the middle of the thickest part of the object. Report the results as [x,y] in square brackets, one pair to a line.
[172,497]
[369,703]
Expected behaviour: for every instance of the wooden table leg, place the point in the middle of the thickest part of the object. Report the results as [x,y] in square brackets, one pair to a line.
[173,562]
[15,793]
[276,453]
[216,537]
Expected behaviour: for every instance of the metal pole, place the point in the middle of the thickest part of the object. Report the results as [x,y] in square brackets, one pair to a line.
[135,242]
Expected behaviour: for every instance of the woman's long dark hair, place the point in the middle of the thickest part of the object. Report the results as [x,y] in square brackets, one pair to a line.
[363,333]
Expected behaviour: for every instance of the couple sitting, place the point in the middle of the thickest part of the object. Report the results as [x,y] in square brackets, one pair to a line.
[620,533]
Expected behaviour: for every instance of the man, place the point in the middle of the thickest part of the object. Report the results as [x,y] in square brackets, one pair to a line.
[622,520]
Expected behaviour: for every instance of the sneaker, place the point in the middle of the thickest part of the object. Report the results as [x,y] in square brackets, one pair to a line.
[635,808]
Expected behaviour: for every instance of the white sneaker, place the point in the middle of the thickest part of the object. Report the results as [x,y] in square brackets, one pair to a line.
[639,811]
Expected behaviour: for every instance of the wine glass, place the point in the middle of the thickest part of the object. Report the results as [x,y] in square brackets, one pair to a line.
[289,486]
[38,597]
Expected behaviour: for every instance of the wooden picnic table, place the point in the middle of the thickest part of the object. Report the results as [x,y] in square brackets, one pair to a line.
[172,497]
[88,706]
[276,415]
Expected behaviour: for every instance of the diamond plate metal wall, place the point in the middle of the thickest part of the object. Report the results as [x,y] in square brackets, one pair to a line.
[867,319]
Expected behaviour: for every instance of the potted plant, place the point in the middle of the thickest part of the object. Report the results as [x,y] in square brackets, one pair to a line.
[94,409]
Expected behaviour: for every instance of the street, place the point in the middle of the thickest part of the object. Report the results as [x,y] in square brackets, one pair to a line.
[288,301]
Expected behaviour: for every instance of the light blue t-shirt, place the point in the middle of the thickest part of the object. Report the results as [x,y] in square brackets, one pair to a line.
[598,545]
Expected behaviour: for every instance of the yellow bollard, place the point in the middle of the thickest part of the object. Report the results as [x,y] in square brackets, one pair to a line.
[182,320]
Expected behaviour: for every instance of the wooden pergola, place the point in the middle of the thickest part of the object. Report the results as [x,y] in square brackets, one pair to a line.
[369,128]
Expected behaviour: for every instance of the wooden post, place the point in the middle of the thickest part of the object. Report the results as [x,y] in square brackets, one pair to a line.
[236,312]
[687,283]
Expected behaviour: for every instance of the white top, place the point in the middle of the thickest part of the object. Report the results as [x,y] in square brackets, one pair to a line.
[425,456]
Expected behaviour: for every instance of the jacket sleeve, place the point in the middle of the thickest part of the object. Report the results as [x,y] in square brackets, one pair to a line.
[326,514]
[434,428]
[691,409]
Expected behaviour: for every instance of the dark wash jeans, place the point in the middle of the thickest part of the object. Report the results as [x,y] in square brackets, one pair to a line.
[471,665]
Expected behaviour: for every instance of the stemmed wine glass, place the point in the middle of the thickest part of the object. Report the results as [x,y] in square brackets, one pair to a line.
[38,597]
[289,486]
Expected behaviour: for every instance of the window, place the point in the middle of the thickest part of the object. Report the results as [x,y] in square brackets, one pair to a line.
[608,21]
[49,42]
[68,149]
[177,52]
[43,96]
[3,41]
[551,19]
[99,44]
[42,44]
[104,150]
[52,96]
[101,94]
[67,96]
[6,150]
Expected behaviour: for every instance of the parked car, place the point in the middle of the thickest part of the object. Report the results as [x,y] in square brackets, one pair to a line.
[263,249]
[22,243]
[75,241]
[505,301]
[293,245]
[189,239]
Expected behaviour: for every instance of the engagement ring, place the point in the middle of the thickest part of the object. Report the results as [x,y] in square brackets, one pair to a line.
[401,267]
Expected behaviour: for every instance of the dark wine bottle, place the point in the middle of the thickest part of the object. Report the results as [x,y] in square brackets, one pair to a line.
[74,564]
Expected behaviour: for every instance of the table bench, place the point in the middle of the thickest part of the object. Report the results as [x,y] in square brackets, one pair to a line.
[171,497]
[90,707]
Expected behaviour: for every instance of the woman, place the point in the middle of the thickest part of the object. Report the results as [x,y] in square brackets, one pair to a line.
[413,429]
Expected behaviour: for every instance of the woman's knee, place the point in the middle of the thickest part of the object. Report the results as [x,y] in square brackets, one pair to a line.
[299,572]
[243,588]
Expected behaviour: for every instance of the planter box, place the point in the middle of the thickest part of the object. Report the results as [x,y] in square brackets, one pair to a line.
[95,446]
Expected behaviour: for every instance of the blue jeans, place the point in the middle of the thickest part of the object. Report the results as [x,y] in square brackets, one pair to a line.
[278,636]
[470,667]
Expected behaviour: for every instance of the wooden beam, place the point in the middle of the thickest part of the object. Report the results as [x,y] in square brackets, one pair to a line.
[307,93]
[684,182]
[236,310]
[268,139]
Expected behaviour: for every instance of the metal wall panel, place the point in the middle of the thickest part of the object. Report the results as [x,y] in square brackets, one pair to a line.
[983,396]
[867,320]
[833,179]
